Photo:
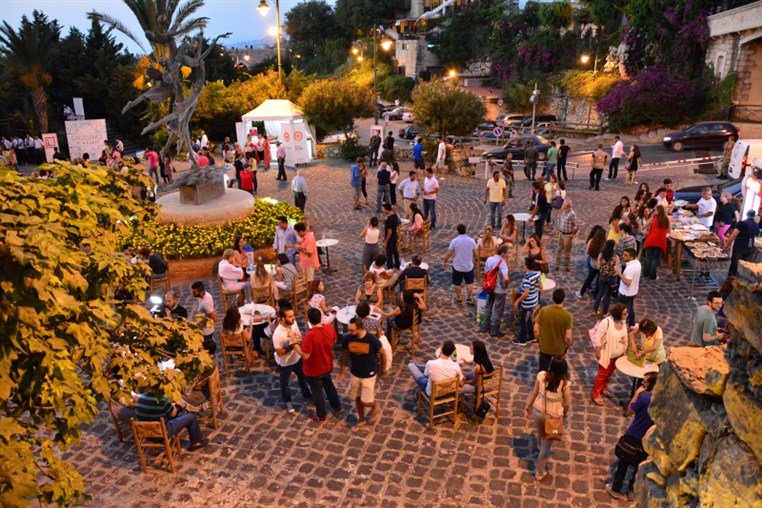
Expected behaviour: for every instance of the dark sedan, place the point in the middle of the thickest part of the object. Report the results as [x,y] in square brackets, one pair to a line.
[701,135]
[516,147]
[410,132]
[693,194]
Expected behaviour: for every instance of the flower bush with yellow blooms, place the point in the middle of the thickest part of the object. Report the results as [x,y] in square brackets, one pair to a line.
[188,242]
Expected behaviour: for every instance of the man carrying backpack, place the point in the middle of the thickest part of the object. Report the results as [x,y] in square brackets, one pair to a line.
[495,283]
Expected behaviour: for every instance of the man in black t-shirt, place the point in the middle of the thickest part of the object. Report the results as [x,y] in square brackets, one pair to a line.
[563,155]
[414,271]
[360,349]
[172,307]
[742,237]
[391,230]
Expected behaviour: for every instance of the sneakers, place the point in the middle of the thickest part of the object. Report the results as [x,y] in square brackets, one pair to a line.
[497,335]
[611,492]
[315,418]
[519,342]
[578,294]
[470,301]
[198,445]
[290,408]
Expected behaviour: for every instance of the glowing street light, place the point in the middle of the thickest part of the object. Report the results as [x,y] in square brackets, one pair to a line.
[585,59]
[452,73]
[273,31]
[264,9]
[386,44]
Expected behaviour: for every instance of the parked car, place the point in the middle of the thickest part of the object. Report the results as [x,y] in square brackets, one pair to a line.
[512,120]
[744,152]
[527,121]
[485,126]
[411,132]
[407,116]
[516,147]
[396,113]
[692,194]
[701,135]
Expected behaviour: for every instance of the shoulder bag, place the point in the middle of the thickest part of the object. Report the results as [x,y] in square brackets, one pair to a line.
[630,450]
[484,406]
[593,332]
[554,426]
[490,279]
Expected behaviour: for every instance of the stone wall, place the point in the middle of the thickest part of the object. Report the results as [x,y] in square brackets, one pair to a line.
[705,448]
[573,110]
[413,54]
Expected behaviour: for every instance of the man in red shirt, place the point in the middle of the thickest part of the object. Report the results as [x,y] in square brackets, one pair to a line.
[307,248]
[153,164]
[317,352]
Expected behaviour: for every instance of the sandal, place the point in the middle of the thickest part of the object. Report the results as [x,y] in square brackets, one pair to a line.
[597,401]
[606,394]
[541,477]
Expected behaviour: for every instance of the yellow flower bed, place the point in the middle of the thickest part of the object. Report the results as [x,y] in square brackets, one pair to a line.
[187,242]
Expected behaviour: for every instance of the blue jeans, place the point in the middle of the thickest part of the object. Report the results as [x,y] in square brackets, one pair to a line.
[526,332]
[186,421]
[651,262]
[382,196]
[540,223]
[550,168]
[430,208]
[493,312]
[629,302]
[495,209]
[417,372]
[323,385]
[603,295]
[285,375]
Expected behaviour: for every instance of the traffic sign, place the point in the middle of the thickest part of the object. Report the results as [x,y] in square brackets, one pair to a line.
[497,131]
[500,102]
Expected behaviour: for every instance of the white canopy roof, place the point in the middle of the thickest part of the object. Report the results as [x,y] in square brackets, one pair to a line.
[274,110]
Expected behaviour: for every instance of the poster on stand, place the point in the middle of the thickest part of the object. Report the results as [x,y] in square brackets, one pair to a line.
[50,141]
[86,136]
[240,134]
[296,142]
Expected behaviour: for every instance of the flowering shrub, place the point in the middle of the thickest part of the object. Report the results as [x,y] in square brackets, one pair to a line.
[186,242]
[653,96]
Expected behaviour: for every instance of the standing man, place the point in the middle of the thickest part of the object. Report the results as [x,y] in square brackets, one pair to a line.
[617,152]
[704,331]
[495,193]
[550,163]
[463,248]
[530,160]
[299,190]
[153,164]
[286,341]
[361,348]
[741,238]
[629,280]
[563,155]
[568,225]
[441,154]
[410,190]
[307,248]
[529,298]
[39,150]
[430,191]
[280,154]
[391,230]
[493,312]
[383,178]
[205,310]
[317,353]
[373,147]
[356,180]
[705,208]
[599,162]
[238,164]
[418,153]
[285,238]
[727,151]
[554,326]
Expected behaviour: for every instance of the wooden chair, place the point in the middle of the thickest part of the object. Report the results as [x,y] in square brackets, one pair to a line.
[414,331]
[418,285]
[115,408]
[239,294]
[160,282]
[153,436]
[263,295]
[482,253]
[443,393]
[490,387]
[215,395]
[424,234]
[299,291]
[237,346]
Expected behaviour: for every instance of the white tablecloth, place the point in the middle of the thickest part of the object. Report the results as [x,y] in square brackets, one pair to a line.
[255,313]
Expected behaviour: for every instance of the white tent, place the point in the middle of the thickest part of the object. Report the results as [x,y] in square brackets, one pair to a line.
[286,122]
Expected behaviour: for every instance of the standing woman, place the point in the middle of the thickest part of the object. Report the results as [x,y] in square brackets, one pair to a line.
[371,233]
[393,183]
[253,169]
[364,177]
[267,155]
[610,343]
[607,263]
[633,162]
[625,202]
[169,170]
[595,242]
[726,216]
[261,148]
[614,221]
[551,397]
[655,243]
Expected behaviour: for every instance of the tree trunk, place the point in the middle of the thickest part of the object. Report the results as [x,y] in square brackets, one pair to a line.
[40,103]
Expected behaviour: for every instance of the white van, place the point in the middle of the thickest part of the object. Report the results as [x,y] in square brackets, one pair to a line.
[744,151]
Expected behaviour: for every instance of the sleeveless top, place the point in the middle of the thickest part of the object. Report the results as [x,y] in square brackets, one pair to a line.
[555,406]
[608,268]
[372,298]
[371,235]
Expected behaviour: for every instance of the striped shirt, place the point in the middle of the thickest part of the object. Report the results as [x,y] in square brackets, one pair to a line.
[531,286]
[568,224]
[148,409]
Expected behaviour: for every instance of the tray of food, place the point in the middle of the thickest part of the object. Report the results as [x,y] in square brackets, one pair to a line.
[682,235]
[679,203]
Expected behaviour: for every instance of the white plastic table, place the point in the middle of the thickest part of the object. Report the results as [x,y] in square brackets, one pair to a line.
[463,354]
[346,314]
[255,313]
[626,367]
[324,243]
[425,266]
[548,284]
[523,218]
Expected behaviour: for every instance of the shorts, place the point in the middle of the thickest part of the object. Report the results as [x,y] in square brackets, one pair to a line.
[459,277]
[419,164]
[363,388]
[440,163]
[310,273]
[358,190]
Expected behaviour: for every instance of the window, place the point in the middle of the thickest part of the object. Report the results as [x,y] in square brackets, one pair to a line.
[719,67]
[404,46]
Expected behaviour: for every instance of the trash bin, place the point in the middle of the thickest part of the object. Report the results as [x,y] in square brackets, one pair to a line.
[481,305]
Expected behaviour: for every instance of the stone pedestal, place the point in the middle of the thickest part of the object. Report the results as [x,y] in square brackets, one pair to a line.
[229,206]
[200,193]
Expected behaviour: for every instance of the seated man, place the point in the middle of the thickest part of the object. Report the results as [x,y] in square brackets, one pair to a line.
[285,272]
[148,409]
[172,307]
[441,369]
[231,274]
[413,271]
[385,278]
[158,264]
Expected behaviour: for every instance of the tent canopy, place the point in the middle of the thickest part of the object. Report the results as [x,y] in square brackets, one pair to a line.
[274,110]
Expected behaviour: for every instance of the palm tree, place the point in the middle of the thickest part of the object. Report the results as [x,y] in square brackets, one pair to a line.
[148,12]
[28,53]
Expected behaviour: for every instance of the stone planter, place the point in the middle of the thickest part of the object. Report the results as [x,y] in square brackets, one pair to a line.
[186,271]
[200,193]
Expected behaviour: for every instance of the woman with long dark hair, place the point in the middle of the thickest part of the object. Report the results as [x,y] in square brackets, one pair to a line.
[633,161]
[371,249]
[551,397]
[614,221]
[607,263]
[594,244]
[655,243]
[482,366]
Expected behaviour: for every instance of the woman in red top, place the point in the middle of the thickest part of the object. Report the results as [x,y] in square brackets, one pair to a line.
[655,243]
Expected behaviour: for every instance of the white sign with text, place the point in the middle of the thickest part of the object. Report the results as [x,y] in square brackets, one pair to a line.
[86,136]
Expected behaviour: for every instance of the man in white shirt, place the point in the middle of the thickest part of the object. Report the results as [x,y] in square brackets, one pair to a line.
[205,308]
[629,280]
[280,154]
[299,190]
[463,249]
[204,140]
[441,154]
[495,192]
[430,191]
[441,369]
[705,208]
[617,152]
[285,337]
[409,188]
[285,235]
[232,274]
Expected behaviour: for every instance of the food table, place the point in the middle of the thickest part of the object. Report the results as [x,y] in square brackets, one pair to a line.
[704,257]
[626,367]
[462,354]
[268,267]
[324,243]
[685,229]
[345,315]
[523,218]
[255,313]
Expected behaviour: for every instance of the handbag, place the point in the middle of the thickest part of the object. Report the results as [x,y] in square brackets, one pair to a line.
[593,332]
[630,450]
[557,202]
[554,426]
[483,409]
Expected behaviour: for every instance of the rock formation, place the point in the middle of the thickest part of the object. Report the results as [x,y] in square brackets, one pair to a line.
[706,445]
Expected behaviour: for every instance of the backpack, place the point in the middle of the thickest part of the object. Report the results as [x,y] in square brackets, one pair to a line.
[490,279]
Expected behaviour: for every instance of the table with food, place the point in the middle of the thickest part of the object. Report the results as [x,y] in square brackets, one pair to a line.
[255,313]
[687,232]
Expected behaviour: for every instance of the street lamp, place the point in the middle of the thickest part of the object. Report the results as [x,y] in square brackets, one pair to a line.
[585,59]
[264,9]
[534,98]
[386,45]
[451,73]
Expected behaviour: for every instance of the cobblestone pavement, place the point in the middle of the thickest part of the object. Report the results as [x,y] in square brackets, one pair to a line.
[262,456]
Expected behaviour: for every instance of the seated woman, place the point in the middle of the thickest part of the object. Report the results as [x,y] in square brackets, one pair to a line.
[285,273]
[652,346]
[262,284]
[487,240]
[415,228]
[509,232]
[231,323]
[533,249]
[369,291]
[317,301]
[232,275]
[482,365]
[240,248]
[401,317]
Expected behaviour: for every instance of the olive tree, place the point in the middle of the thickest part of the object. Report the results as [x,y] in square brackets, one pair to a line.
[332,105]
[444,108]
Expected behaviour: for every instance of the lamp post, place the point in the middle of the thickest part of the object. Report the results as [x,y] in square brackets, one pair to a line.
[263,9]
[585,59]
[533,99]
[386,44]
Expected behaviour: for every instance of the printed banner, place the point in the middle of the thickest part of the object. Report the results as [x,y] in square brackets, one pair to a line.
[86,136]
[50,140]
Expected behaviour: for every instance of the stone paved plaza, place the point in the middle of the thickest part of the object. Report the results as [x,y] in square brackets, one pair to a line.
[262,456]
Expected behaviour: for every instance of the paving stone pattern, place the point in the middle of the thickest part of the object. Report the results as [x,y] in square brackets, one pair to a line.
[262,456]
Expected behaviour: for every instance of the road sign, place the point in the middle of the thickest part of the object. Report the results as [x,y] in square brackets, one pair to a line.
[500,102]
[497,131]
